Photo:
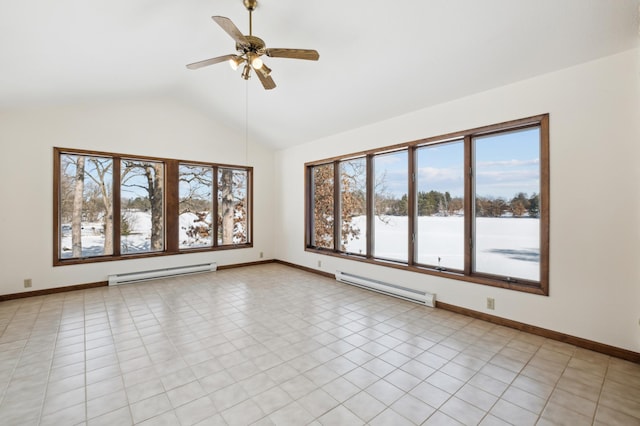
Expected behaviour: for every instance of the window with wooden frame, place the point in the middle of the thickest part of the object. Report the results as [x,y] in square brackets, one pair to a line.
[471,205]
[113,206]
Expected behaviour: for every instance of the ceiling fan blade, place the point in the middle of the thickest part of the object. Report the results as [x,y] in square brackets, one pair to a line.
[200,64]
[308,54]
[265,79]
[231,29]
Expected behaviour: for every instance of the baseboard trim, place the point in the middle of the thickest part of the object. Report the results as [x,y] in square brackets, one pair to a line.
[543,332]
[240,265]
[304,268]
[46,291]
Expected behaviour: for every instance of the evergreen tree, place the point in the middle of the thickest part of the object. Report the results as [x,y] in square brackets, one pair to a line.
[534,206]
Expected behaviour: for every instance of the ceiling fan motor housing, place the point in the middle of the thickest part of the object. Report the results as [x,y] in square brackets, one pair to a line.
[254,45]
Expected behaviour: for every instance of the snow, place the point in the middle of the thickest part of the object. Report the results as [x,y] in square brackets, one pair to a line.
[139,239]
[189,238]
[92,240]
[504,246]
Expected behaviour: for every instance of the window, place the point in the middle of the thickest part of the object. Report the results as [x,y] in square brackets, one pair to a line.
[322,178]
[506,199]
[113,207]
[233,226]
[471,205]
[196,206]
[141,206]
[440,205]
[353,206]
[85,225]
[391,224]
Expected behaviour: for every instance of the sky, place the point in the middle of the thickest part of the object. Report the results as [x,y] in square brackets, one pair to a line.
[505,164]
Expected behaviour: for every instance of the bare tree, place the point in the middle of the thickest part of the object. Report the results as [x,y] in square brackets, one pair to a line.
[232,217]
[148,176]
[196,188]
[200,185]
[67,188]
[103,168]
[226,205]
[76,215]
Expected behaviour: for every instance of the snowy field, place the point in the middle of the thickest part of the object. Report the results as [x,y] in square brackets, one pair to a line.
[505,246]
[138,241]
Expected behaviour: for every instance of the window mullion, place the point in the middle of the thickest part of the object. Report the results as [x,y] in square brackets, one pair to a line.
[411,206]
[116,203]
[214,212]
[172,210]
[370,198]
[337,207]
[468,205]
[309,207]
[249,207]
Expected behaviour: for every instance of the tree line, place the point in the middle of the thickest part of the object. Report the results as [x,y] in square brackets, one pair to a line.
[435,203]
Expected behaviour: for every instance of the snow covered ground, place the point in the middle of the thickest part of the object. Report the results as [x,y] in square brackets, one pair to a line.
[92,240]
[505,246]
[139,239]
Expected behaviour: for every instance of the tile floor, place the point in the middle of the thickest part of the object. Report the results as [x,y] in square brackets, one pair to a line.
[274,345]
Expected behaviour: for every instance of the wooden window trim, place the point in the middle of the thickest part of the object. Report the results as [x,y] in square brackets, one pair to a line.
[540,287]
[337,206]
[411,206]
[171,208]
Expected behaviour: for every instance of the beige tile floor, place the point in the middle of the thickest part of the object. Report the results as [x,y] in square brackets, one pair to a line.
[274,345]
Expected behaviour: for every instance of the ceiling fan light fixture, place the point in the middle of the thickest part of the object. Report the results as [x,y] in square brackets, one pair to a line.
[235,62]
[256,63]
[246,72]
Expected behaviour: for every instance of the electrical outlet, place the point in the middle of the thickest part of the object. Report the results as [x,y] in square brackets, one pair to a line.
[319,263]
[261,255]
[28,282]
[491,303]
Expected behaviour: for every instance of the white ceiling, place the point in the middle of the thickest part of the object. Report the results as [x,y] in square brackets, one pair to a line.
[378,58]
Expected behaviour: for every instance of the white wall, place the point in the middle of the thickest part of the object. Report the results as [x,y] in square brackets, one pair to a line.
[595,191]
[156,127]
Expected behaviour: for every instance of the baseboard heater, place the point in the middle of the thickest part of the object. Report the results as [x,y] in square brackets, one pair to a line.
[133,277]
[395,290]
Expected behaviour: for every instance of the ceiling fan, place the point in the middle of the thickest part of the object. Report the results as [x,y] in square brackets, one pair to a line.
[250,49]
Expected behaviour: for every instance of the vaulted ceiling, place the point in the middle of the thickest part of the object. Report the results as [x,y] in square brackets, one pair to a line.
[378,59]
